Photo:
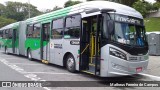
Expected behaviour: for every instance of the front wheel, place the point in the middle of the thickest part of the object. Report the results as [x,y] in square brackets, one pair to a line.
[29,55]
[70,63]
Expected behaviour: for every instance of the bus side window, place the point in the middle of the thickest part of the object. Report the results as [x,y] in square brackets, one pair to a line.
[29,31]
[57,29]
[6,33]
[1,34]
[72,26]
[36,30]
[10,32]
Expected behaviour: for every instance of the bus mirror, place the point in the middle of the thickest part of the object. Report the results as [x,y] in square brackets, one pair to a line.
[67,36]
[110,24]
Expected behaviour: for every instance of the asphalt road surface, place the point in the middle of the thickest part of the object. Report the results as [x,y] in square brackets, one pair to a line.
[19,68]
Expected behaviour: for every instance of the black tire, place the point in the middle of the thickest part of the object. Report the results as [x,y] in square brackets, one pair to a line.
[29,55]
[70,63]
[6,50]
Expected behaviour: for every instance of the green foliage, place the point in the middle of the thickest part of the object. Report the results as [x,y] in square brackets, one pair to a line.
[156,5]
[157,0]
[2,8]
[125,2]
[70,3]
[18,11]
[5,21]
[144,7]
[56,8]
[152,24]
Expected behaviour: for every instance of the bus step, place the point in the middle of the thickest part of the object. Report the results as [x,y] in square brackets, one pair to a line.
[45,61]
[91,64]
[86,71]
[91,69]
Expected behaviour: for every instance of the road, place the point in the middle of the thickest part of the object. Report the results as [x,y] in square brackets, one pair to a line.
[19,68]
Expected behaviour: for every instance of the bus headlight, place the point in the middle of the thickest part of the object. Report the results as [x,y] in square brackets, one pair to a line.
[117,53]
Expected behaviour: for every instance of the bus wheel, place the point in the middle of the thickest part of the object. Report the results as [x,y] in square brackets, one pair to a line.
[6,50]
[29,55]
[70,63]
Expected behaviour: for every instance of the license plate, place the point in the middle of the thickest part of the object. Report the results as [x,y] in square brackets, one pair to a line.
[139,69]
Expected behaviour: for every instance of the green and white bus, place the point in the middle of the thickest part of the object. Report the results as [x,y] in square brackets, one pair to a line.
[98,37]
[9,39]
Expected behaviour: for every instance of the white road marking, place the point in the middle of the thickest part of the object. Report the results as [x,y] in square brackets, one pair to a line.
[31,76]
[25,64]
[46,88]
[14,58]
[51,73]
[156,78]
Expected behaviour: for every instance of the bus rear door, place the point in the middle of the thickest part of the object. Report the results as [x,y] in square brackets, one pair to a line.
[45,42]
[14,41]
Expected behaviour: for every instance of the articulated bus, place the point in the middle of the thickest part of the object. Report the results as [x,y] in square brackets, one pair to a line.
[98,37]
[9,39]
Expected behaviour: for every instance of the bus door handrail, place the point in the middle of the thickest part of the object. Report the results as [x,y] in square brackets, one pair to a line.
[85,48]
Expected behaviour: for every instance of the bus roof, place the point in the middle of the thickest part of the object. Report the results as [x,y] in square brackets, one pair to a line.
[79,8]
[120,9]
[13,26]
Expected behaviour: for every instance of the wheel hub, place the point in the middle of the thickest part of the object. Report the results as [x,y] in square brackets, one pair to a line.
[70,63]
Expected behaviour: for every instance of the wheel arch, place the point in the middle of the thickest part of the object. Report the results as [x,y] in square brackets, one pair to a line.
[28,48]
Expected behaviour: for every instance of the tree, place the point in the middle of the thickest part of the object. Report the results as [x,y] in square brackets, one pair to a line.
[157,0]
[157,4]
[2,8]
[19,11]
[56,8]
[50,10]
[125,2]
[144,7]
[5,21]
[70,3]
[33,11]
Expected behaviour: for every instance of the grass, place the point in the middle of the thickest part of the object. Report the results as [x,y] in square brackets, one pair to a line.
[152,24]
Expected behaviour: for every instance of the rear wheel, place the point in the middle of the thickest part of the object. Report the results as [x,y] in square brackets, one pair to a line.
[29,55]
[70,63]
[6,50]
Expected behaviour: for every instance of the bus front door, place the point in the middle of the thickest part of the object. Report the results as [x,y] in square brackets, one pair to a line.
[45,42]
[90,45]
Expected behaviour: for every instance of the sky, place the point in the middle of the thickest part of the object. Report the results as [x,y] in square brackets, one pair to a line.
[47,4]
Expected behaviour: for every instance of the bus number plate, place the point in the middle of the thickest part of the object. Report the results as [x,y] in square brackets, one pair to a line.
[139,69]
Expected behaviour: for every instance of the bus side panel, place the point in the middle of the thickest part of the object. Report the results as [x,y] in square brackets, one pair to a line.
[73,49]
[57,54]
[104,63]
[34,45]
[2,44]
[36,54]
[22,38]
[56,51]
[8,44]
[1,41]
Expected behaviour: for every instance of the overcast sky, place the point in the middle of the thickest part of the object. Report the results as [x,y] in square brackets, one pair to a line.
[46,4]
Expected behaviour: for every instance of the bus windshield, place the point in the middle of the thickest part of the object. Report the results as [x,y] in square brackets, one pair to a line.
[129,34]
